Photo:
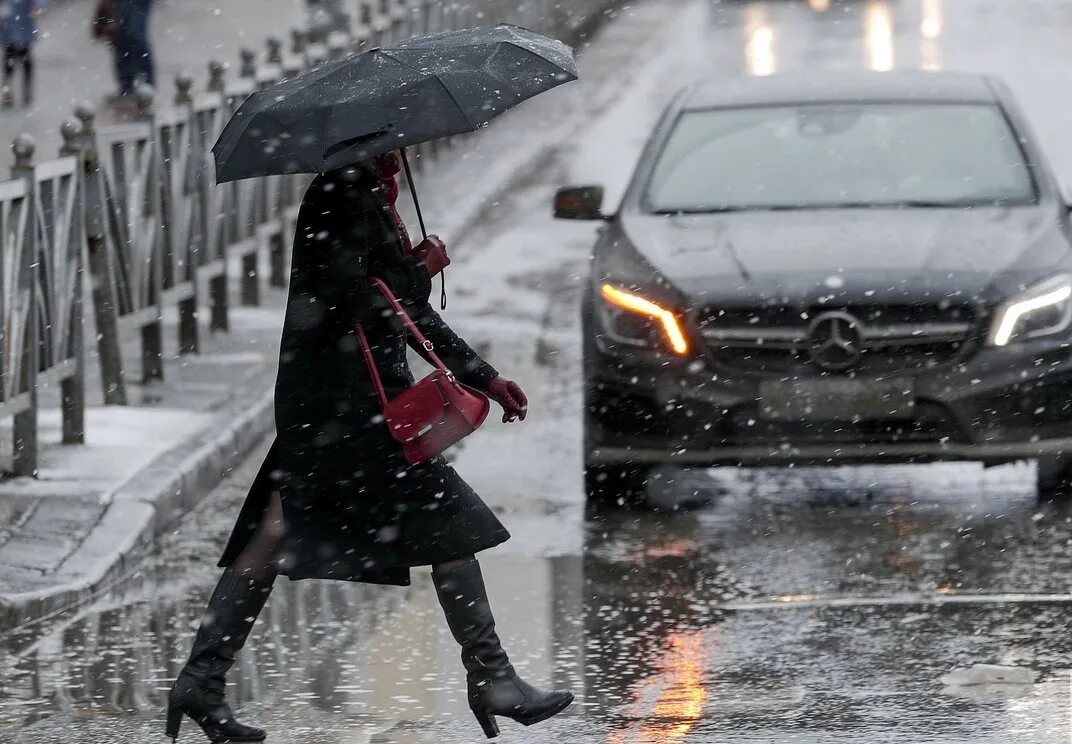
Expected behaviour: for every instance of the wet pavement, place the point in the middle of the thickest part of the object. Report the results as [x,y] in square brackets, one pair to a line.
[797,605]
[790,609]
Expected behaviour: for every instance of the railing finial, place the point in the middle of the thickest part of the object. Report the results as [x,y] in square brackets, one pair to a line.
[275,50]
[87,115]
[24,148]
[144,95]
[71,131]
[298,40]
[217,72]
[184,84]
[249,63]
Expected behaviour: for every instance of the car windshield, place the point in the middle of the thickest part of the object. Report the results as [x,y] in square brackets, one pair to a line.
[834,155]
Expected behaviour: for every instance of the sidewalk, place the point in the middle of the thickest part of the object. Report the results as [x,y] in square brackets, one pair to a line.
[70,536]
[70,67]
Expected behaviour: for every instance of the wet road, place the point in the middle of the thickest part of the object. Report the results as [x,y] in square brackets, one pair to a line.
[802,605]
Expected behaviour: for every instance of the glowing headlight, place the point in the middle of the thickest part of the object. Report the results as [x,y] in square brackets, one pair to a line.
[1043,309]
[637,304]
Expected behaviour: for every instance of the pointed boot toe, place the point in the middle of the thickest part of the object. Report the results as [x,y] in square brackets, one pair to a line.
[548,706]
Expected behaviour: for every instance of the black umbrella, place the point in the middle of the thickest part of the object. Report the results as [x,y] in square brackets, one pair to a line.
[389,98]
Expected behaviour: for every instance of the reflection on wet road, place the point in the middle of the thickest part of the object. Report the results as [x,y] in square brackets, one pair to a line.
[801,605]
[663,624]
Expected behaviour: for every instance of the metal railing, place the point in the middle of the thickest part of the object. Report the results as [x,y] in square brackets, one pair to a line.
[132,209]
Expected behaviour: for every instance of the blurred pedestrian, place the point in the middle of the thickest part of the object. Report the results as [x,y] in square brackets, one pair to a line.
[18,34]
[335,497]
[105,28]
[134,54]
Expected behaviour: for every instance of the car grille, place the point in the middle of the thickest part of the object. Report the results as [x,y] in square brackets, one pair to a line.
[886,339]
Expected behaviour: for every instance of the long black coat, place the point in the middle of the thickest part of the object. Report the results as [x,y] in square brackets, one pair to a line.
[353,508]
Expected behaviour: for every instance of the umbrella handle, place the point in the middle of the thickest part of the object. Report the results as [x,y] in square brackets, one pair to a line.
[413,192]
[424,231]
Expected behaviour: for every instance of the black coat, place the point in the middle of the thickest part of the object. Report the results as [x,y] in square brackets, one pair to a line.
[353,508]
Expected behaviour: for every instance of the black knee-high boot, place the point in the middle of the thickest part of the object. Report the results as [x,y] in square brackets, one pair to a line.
[494,687]
[199,690]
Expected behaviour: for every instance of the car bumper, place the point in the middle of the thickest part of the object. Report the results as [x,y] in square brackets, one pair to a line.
[1002,404]
[830,454]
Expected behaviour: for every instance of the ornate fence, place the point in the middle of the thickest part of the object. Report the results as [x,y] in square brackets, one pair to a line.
[134,209]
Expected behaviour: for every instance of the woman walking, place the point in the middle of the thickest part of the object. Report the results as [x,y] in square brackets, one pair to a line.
[335,498]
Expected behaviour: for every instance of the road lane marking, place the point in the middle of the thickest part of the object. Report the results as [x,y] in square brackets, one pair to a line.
[794,602]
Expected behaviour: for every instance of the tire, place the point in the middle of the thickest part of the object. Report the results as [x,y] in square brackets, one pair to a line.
[1054,478]
[615,487]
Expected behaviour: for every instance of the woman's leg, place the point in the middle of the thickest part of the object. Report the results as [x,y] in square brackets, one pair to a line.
[494,687]
[232,610]
[259,559]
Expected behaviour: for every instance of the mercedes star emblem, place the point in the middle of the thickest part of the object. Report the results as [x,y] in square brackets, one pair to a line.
[835,341]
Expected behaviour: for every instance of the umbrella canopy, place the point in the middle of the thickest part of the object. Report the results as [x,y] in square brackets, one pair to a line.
[387,98]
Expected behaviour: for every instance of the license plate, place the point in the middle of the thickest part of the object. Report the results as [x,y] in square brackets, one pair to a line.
[836,400]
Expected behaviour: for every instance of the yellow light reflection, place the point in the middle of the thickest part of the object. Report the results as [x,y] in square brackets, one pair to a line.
[681,694]
[931,25]
[878,36]
[930,34]
[791,598]
[819,6]
[760,58]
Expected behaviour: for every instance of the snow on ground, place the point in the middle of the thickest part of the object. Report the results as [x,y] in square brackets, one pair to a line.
[120,441]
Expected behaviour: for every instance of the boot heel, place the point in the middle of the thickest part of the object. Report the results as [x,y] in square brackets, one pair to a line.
[487,722]
[174,719]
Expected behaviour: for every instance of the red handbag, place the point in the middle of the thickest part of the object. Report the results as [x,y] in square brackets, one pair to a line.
[434,413]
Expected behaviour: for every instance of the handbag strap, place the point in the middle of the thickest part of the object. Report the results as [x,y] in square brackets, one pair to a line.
[371,363]
[408,322]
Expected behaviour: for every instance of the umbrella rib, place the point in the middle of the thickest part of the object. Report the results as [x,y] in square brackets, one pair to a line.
[438,80]
[541,57]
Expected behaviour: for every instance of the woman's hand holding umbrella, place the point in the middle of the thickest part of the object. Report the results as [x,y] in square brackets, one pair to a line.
[511,397]
[432,252]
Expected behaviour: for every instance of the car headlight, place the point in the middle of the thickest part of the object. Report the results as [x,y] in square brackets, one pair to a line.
[1041,310]
[647,310]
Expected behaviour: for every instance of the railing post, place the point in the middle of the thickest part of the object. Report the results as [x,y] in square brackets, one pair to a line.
[24,460]
[218,304]
[218,299]
[102,288]
[316,55]
[293,65]
[152,334]
[339,45]
[217,76]
[362,33]
[189,331]
[249,63]
[275,50]
[379,21]
[73,387]
[145,97]
[184,89]
[298,41]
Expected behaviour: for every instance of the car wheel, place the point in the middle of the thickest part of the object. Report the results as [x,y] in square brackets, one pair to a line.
[1054,478]
[616,486]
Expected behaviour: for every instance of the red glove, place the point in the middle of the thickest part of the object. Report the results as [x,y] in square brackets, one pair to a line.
[432,252]
[510,396]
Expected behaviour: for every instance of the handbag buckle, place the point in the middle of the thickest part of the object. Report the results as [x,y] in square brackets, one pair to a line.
[427,345]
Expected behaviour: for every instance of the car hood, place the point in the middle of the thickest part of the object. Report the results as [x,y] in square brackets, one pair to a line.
[883,255]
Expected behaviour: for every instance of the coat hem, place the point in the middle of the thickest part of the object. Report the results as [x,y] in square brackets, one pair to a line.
[383,575]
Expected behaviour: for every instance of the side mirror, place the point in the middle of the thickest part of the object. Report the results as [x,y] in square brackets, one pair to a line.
[579,203]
